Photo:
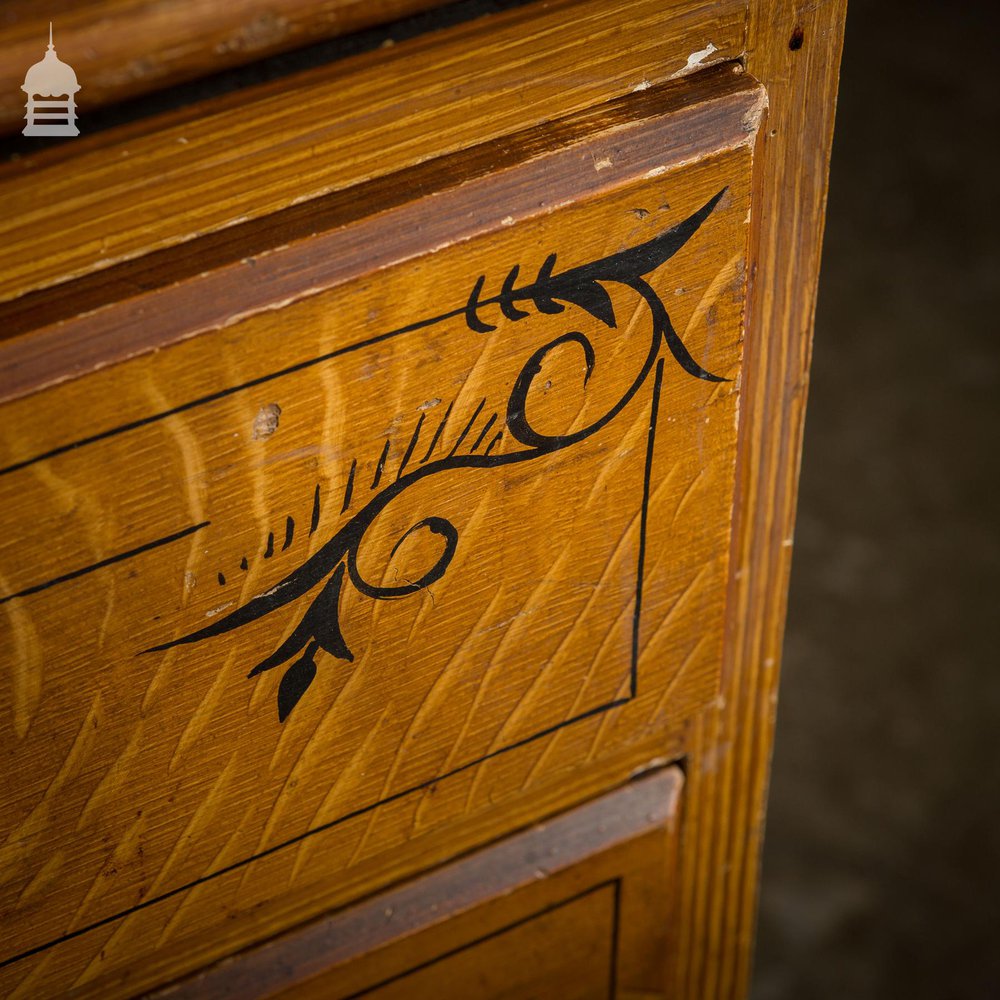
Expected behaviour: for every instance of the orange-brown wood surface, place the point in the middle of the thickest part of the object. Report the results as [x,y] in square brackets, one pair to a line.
[177,293]
[564,949]
[794,50]
[142,773]
[324,131]
[123,49]
[577,906]
[165,795]
[372,491]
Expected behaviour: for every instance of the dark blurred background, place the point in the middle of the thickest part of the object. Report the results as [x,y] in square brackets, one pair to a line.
[881,870]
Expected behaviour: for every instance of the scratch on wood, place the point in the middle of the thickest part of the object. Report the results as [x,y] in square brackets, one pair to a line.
[26,665]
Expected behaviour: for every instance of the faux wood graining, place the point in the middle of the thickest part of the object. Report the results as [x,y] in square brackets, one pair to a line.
[794,50]
[276,465]
[362,118]
[123,49]
[178,292]
[521,933]
[540,468]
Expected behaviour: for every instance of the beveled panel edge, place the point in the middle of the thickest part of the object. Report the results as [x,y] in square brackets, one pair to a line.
[263,149]
[643,135]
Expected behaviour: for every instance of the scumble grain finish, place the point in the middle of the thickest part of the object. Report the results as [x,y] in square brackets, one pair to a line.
[329,129]
[624,841]
[123,49]
[177,807]
[794,50]
[421,430]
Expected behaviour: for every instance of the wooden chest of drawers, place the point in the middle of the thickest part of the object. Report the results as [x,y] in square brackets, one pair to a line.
[398,469]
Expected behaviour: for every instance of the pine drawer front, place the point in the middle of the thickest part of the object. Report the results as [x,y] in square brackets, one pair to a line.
[413,529]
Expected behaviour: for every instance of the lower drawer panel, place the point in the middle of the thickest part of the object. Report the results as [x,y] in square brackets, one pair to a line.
[566,949]
[578,907]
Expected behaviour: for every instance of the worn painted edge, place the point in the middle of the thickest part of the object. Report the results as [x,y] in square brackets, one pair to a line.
[724,119]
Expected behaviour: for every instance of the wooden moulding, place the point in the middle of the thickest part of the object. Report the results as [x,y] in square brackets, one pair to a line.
[251,154]
[179,292]
[123,49]
[573,840]
[794,49]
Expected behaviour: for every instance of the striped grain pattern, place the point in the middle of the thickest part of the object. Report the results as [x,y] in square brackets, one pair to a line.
[592,927]
[123,49]
[174,294]
[309,398]
[794,50]
[330,129]
[170,804]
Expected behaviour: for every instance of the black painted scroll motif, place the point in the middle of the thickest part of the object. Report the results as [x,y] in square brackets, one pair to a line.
[335,564]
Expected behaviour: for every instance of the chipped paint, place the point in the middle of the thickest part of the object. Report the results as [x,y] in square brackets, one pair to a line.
[695,60]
